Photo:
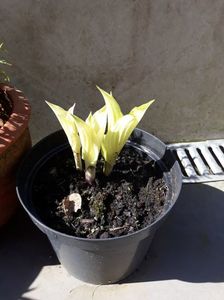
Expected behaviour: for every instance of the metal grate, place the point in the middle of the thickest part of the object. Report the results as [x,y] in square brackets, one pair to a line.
[200,161]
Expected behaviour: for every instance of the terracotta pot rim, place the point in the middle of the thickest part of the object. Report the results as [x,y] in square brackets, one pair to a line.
[18,120]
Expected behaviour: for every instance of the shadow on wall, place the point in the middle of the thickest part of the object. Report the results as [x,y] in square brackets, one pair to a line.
[190,244]
[24,250]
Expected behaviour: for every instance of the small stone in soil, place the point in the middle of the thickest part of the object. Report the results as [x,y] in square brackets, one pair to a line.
[77,200]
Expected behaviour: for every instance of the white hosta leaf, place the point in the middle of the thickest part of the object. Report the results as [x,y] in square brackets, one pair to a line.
[69,126]
[98,122]
[89,141]
[113,108]
[119,127]
[128,123]
[72,109]
[123,129]
[139,111]
[100,119]
[116,138]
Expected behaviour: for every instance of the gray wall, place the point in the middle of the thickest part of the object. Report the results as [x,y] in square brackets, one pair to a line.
[169,50]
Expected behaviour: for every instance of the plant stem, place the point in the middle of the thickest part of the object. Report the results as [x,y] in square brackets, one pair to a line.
[78,161]
[90,174]
[107,168]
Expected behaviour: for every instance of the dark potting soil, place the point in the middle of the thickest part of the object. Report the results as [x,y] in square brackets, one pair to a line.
[5,108]
[132,197]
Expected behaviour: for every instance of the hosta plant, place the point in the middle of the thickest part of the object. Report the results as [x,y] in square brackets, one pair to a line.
[105,131]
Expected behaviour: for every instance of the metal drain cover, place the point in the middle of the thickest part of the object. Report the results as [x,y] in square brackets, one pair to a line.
[200,161]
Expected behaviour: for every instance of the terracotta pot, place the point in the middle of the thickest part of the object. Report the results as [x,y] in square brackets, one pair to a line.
[14,142]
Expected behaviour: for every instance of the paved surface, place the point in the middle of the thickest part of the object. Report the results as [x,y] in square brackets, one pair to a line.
[186,260]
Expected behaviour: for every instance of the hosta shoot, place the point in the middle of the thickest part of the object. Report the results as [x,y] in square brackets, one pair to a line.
[66,119]
[91,134]
[119,128]
[105,131]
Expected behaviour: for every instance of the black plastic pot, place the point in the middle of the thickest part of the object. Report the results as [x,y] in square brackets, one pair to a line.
[98,261]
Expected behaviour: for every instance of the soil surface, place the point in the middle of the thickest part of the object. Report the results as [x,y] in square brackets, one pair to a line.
[133,196]
[5,108]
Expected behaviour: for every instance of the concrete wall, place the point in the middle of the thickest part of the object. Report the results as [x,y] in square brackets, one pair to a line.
[169,50]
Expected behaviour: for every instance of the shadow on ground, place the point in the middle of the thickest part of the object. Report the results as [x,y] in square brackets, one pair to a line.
[190,244]
[24,250]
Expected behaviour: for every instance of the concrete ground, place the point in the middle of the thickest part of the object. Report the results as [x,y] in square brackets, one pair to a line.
[186,259]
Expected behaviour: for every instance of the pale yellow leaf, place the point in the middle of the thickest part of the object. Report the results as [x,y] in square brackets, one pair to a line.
[67,122]
[90,147]
[113,109]
[139,111]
